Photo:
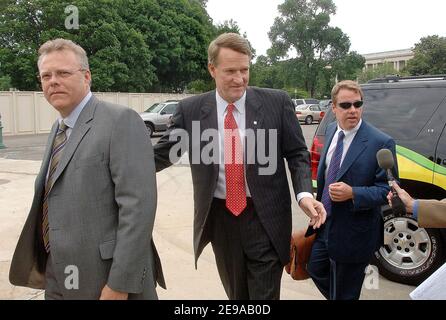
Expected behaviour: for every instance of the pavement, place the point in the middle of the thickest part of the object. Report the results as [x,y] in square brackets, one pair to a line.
[19,165]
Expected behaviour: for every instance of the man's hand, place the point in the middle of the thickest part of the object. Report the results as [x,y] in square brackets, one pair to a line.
[315,210]
[340,191]
[404,196]
[110,294]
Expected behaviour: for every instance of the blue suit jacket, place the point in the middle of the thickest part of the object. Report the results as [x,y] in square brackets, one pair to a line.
[356,226]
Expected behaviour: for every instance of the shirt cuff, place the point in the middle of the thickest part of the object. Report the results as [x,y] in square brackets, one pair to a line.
[415,210]
[301,195]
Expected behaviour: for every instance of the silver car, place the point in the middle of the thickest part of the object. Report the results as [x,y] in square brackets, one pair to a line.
[308,113]
[158,116]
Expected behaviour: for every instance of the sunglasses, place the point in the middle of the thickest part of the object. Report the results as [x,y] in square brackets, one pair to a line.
[348,105]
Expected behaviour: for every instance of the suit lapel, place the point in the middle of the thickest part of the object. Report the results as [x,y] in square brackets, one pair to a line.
[253,121]
[40,180]
[81,127]
[254,114]
[208,113]
[359,144]
[321,168]
[208,120]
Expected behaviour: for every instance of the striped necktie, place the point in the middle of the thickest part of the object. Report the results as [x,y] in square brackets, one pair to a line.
[333,170]
[59,143]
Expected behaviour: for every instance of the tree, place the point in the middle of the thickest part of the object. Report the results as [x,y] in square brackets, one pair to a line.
[383,70]
[429,58]
[133,46]
[303,28]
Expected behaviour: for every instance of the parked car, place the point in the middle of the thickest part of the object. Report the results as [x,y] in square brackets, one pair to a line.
[157,117]
[412,110]
[298,102]
[325,104]
[308,113]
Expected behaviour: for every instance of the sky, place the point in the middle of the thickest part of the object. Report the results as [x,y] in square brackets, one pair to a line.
[372,25]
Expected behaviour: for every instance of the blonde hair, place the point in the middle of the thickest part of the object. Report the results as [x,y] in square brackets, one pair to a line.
[232,41]
[348,85]
[63,44]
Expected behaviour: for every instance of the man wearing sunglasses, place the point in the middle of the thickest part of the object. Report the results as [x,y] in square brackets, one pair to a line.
[352,188]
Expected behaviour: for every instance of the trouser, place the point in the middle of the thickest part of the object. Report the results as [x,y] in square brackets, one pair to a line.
[248,265]
[335,280]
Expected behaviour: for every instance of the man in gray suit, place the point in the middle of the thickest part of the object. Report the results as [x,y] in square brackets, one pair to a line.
[89,231]
[242,203]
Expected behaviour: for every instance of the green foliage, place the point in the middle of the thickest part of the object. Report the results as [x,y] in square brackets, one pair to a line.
[5,83]
[430,57]
[200,86]
[303,29]
[133,45]
[380,71]
[227,26]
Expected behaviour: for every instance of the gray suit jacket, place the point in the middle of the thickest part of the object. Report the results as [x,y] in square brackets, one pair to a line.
[101,209]
[265,109]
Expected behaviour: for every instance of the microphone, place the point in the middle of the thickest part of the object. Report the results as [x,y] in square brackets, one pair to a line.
[386,162]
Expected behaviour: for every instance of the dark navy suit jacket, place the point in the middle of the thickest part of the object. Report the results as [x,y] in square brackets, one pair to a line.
[356,226]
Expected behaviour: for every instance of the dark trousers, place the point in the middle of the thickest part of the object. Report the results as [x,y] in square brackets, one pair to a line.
[247,263]
[335,280]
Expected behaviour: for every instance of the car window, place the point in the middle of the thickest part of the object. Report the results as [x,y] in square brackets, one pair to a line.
[155,108]
[314,108]
[170,108]
[298,101]
[401,112]
[324,104]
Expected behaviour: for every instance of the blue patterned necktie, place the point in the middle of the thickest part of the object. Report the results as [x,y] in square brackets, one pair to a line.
[333,170]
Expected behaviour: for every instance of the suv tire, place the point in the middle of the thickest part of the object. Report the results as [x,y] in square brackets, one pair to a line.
[420,249]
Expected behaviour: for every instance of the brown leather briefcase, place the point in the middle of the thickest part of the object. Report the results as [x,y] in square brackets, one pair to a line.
[300,251]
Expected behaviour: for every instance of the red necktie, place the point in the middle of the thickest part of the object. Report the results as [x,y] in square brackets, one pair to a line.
[235,175]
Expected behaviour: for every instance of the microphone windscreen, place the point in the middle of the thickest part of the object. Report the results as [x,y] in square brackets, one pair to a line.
[385,159]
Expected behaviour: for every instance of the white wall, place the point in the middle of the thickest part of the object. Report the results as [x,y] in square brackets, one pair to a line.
[24,112]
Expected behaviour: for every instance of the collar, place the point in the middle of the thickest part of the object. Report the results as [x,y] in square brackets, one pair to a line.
[222,104]
[351,132]
[70,121]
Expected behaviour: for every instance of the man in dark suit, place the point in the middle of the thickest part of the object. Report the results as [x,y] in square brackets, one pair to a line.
[352,188]
[242,203]
[88,234]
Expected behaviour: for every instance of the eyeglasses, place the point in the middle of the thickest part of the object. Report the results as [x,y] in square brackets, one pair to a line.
[348,105]
[61,74]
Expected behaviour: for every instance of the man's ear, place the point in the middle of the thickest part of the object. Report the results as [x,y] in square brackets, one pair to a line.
[211,69]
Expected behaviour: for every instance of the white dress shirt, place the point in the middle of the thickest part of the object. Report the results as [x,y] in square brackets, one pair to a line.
[348,138]
[239,114]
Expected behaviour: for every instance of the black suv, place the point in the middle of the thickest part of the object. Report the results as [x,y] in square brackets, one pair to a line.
[412,110]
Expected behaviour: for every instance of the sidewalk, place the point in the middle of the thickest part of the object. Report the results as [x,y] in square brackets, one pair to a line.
[172,233]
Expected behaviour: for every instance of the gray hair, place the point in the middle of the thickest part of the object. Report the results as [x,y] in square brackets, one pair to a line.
[63,44]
